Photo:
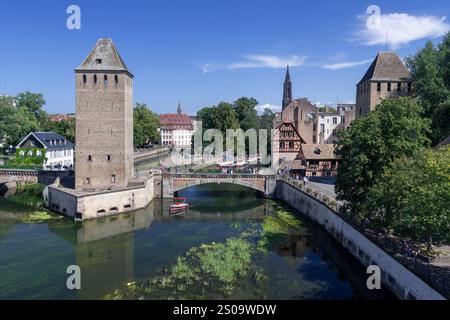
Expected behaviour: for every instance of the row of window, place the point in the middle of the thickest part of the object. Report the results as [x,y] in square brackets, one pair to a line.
[390,87]
[88,180]
[105,79]
[289,145]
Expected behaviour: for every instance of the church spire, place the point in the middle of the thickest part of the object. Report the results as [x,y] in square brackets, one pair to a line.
[287,89]
[179,111]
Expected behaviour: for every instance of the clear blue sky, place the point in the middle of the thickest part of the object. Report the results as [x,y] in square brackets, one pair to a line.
[204,51]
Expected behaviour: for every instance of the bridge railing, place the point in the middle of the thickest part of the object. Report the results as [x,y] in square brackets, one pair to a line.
[218,175]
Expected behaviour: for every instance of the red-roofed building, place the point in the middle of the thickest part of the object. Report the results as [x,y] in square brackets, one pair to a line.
[176,129]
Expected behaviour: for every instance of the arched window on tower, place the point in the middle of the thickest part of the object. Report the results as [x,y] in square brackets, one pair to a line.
[105,80]
[116,79]
[84,78]
[95,78]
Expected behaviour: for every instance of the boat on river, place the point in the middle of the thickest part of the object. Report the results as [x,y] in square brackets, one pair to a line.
[179,206]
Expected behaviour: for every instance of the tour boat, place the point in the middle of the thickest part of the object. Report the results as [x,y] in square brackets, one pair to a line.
[179,206]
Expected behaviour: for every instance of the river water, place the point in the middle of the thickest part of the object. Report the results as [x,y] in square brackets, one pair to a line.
[272,252]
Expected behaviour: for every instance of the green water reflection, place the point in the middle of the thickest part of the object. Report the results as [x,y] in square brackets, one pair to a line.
[142,246]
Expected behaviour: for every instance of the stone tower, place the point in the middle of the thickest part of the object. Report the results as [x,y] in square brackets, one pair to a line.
[387,77]
[104,120]
[287,90]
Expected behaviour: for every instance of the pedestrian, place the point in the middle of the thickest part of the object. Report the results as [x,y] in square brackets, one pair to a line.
[305,181]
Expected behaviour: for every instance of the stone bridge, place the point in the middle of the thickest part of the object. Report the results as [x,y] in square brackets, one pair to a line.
[14,177]
[167,184]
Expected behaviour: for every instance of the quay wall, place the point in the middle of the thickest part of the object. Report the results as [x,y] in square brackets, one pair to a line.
[401,281]
[98,204]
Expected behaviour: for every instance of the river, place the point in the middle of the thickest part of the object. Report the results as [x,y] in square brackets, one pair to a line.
[231,244]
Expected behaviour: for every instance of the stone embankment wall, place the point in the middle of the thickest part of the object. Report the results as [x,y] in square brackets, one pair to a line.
[401,281]
[92,205]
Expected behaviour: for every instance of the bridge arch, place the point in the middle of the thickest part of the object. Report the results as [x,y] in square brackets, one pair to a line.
[177,182]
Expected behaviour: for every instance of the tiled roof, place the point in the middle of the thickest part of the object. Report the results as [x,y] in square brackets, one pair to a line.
[48,139]
[318,151]
[387,66]
[175,122]
[104,57]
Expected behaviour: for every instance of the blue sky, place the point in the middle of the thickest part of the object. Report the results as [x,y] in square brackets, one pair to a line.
[203,52]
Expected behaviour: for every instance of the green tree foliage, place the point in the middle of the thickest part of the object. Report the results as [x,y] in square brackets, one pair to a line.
[146,124]
[221,117]
[417,190]
[266,122]
[15,122]
[34,103]
[395,129]
[65,128]
[430,69]
[246,113]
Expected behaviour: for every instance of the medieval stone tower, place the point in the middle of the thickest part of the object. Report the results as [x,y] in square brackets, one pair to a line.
[104,120]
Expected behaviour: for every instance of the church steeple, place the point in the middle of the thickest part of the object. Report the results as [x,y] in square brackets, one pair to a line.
[179,111]
[287,90]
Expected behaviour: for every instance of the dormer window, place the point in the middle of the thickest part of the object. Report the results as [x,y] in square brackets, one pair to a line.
[98,61]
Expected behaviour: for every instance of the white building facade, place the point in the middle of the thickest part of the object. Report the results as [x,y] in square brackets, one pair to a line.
[58,150]
[326,127]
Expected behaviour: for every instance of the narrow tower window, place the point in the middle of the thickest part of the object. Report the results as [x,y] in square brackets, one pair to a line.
[105,80]
[89,158]
[108,157]
[116,79]
[379,86]
[84,78]
[95,78]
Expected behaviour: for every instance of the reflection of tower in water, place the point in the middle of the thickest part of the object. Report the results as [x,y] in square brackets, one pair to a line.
[105,252]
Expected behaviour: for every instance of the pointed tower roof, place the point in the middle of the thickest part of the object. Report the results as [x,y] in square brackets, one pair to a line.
[179,111]
[288,75]
[104,56]
[387,66]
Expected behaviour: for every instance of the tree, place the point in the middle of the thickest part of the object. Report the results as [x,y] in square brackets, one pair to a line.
[15,122]
[146,124]
[34,103]
[367,148]
[430,70]
[65,128]
[266,122]
[246,113]
[418,189]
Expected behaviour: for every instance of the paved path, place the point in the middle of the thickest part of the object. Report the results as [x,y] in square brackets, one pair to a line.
[325,188]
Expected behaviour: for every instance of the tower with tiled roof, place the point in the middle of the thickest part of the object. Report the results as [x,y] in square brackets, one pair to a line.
[104,120]
[387,77]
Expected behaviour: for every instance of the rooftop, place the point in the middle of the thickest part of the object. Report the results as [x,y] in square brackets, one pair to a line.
[387,66]
[49,140]
[175,121]
[103,57]
[318,151]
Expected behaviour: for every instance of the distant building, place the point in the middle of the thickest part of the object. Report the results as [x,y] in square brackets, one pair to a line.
[176,129]
[326,127]
[58,150]
[387,77]
[318,160]
[345,107]
[295,111]
[61,117]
